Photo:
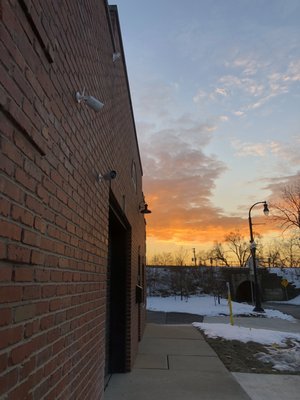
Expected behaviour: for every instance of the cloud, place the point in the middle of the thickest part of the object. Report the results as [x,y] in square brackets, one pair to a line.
[245,149]
[222,92]
[200,96]
[238,113]
[289,152]
[223,118]
[259,81]
[179,181]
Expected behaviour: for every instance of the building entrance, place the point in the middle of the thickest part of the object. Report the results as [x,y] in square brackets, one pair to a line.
[117,278]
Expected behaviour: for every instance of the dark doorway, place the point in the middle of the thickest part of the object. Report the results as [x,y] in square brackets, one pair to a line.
[244,292]
[117,272]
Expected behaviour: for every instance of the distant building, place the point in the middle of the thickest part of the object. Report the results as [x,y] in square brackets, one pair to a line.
[72,237]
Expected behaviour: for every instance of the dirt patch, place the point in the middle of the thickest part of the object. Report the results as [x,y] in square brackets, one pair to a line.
[240,357]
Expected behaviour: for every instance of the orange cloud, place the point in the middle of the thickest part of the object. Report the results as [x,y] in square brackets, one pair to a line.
[179,182]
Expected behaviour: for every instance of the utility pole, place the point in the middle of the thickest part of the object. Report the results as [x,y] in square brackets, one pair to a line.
[194,259]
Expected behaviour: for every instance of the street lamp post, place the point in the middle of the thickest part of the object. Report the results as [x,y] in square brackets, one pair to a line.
[258,307]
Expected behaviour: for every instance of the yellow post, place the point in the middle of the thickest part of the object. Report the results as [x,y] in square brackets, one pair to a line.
[230,304]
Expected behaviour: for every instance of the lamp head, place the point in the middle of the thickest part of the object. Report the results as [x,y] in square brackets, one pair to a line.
[266,209]
[144,210]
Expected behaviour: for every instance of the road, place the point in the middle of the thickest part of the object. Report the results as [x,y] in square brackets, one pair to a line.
[285,308]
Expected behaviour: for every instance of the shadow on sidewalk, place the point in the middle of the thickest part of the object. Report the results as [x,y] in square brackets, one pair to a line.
[160,317]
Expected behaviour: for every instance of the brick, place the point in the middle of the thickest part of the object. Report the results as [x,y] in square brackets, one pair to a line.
[9,149]
[40,224]
[31,238]
[25,180]
[31,328]
[10,336]
[42,307]
[23,313]
[22,215]
[49,185]
[5,316]
[8,83]
[5,273]
[47,322]
[37,257]
[42,275]
[8,380]
[10,230]
[31,292]
[23,274]
[55,304]
[9,189]
[3,363]
[5,206]
[18,253]
[49,291]
[23,145]
[7,166]
[27,367]
[42,194]
[34,205]
[53,335]
[43,356]
[9,294]
[31,169]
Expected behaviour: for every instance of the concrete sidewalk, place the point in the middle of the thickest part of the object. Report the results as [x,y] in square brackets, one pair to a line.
[266,386]
[175,363]
[273,324]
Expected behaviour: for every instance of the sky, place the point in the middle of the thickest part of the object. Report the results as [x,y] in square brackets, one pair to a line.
[215,92]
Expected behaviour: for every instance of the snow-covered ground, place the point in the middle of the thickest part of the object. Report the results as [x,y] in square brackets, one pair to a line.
[295,301]
[283,356]
[291,274]
[206,305]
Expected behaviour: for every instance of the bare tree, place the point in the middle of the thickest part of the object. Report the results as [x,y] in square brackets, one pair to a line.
[164,258]
[287,212]
[181,256]
[238,246]
[290,252]
[218,253]
[273,254]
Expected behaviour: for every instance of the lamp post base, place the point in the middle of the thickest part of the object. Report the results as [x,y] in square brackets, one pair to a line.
[258,309]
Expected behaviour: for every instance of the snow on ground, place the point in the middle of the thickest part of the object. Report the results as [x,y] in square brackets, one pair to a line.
[207,306]
[243,334]
[283,357]
[295,301]
[291,274]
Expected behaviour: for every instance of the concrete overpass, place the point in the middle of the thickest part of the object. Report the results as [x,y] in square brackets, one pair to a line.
[189,279]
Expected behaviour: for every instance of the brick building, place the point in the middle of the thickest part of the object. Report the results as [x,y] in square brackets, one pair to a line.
[72,240]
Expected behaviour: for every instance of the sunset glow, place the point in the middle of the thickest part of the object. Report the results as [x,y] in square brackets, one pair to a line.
[215,91]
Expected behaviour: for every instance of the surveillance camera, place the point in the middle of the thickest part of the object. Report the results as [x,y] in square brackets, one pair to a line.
[93,103]
[112,174]
[108,176]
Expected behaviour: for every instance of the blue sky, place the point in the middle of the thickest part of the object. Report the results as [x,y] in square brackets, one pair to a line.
[215,90]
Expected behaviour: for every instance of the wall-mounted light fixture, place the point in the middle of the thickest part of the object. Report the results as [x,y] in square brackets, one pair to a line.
[109,176]
[143,208]
[116,56]
[91,101]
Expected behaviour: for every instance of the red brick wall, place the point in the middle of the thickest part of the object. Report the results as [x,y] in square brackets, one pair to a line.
[53,211]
